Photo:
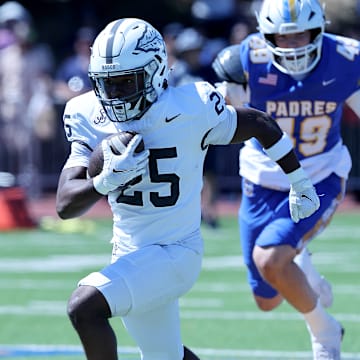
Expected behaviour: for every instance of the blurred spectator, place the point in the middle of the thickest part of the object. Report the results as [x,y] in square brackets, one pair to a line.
[215,17]
[170,33]
[209,51]
[238,32]
[191,63]
[187,49]
[27,115]
[72,76]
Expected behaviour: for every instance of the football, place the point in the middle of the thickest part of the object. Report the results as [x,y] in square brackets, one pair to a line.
[118,142]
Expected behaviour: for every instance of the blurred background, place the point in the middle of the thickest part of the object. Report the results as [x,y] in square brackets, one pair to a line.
[44,54]
[44,50]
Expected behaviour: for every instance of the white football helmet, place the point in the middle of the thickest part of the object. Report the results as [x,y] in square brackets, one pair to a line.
[128,68]
[288,17]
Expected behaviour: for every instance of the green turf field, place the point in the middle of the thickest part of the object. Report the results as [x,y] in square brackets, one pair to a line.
[39,269]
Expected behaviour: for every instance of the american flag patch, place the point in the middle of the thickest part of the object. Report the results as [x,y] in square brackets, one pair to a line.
[270,79]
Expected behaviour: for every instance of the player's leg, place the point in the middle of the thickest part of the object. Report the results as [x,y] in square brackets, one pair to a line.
[164,273]
[265,225]
[276,266]
[157,276]
[326,340]
[253,218]
[157,333]
[260,209]
[189,355]
[319,284]
[274,259]
[133,286]
[89,314]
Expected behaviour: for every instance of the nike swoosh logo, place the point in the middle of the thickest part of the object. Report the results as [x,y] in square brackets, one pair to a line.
[306,197]
[171,118]
[328,82]
[118,171]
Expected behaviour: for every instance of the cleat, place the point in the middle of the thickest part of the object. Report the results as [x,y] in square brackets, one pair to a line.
[328,348]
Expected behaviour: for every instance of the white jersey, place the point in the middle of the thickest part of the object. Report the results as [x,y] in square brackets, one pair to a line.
[261,170]
[164,208]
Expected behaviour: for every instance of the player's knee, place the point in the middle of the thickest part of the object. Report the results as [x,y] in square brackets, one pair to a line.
[268,263]
[266,304]
[85,304]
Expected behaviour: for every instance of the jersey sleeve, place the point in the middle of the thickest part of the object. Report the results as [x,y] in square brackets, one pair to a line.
[221,118]
[345,64]
[78,130]
[224,132]
[79,156]
[76,117]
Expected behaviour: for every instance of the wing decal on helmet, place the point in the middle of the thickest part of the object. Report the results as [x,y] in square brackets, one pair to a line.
[149,41]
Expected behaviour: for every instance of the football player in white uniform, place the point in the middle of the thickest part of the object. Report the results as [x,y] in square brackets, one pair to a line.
[301,76]
[157,245]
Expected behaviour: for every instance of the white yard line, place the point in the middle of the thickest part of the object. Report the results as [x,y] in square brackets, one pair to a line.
[58,308]
[347,263]
[208,353]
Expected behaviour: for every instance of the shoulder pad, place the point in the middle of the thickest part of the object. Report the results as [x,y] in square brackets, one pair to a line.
[228,67]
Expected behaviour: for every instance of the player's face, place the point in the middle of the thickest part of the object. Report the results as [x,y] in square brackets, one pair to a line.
[290,41]
[119,87]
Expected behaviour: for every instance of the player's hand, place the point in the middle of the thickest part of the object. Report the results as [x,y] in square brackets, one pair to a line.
[303,199]
[119,170]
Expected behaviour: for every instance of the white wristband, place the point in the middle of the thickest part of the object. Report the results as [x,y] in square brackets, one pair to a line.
[297,175]
[280,148]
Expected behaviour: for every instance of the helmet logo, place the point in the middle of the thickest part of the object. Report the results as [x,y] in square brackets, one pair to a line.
[149,41]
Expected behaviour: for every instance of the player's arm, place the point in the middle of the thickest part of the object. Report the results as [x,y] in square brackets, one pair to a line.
[75,193]
[258,124]
[303,200]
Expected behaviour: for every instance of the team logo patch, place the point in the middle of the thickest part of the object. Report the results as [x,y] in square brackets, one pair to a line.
[149,41]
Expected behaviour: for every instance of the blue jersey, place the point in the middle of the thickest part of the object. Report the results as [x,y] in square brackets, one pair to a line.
[309,110]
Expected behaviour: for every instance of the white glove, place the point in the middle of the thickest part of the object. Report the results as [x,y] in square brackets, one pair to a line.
[303,199]
[119,170]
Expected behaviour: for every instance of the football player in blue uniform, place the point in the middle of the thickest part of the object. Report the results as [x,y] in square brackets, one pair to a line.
[302,77]
[157,244]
